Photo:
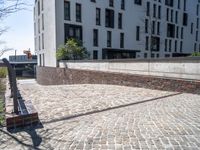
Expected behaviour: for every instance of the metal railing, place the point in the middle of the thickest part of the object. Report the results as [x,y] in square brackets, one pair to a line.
[13,83]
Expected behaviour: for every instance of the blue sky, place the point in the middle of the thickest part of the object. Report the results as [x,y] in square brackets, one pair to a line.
[20,35]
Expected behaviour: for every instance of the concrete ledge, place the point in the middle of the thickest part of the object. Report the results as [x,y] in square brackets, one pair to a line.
[27,116]
[184,68]
[160,60]
[58,76]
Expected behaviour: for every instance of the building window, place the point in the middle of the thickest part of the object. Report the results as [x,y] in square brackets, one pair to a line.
[111,3]
[137,33]
[78,12]
[95,54]
[38,25]
[166,42]
[148,9]
[98,16]
[172,15]
[42,40]
[123,4]
[159,12]
[155,43]
[109,38]
[95,37]
[199,47]
[146,25]
[153,27]
[185,19]
[154,10]
[182,32]
[192,28]
[109,22]
[184,7]
[147,43]
[40,60]
[170,30]
[195,47]
[178,4]
[169,3]
[167,55]
[177,32]
[175,46]
[121,40]
[73,31]
[42,21]
[197,35]
[181,46]
[176,19]
[39,43]
[42,5]
[158,28]
[120,20]
[38,8]
[167,14]
[67,10]
[138,2]
[170,45]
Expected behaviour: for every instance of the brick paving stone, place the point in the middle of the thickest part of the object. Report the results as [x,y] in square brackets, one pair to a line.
[107,117]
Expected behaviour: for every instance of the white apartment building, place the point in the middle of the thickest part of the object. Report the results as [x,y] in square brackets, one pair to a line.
[117,29]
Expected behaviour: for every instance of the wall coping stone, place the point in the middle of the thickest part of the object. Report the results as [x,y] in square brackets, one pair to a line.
[195,59]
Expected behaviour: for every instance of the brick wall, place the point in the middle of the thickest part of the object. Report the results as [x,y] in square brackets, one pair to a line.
[58,76]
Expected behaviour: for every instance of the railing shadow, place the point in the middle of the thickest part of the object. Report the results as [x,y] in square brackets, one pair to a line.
[108,109]
[36,139]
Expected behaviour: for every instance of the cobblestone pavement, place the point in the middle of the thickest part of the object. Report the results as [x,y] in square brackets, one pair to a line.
[107,117]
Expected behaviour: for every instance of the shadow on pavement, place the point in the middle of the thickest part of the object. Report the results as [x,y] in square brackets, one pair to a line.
[107,109]
[36,139]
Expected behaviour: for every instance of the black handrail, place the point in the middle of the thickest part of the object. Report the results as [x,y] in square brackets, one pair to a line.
[13,84]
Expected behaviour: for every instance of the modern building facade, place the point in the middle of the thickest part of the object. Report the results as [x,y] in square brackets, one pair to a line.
[117,29]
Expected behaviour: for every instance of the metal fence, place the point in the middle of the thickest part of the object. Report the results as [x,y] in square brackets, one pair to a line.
[12,82]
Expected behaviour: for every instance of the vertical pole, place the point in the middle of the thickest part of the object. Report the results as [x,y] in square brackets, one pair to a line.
[15,92]
[15,55]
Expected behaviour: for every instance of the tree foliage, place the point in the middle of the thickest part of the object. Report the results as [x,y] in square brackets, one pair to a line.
[72,50]
[8,7]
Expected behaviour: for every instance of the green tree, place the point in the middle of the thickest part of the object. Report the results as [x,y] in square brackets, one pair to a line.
[72,50]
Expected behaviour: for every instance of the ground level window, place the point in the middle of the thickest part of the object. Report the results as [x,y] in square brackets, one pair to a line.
[95,54]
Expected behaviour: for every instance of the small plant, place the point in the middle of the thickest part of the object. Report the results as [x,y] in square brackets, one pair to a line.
[196,54]
[2,106]
[3,72]
[1,111]
[72,50]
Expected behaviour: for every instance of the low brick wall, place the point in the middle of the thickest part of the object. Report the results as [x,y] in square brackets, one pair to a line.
[58,76]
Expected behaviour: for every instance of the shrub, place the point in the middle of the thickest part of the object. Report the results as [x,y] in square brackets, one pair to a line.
[196,54]
[3,72]
[72,50]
